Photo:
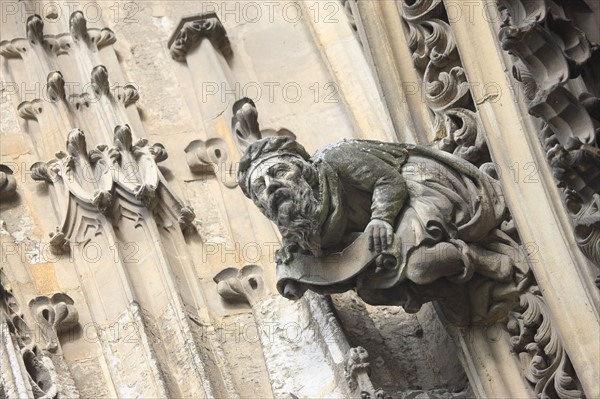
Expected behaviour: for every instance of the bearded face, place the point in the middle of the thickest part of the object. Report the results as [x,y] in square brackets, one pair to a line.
[280,189]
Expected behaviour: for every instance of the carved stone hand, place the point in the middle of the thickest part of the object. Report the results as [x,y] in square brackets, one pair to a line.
[381,234]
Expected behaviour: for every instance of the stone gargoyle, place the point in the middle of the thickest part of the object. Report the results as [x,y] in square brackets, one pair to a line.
[401,224]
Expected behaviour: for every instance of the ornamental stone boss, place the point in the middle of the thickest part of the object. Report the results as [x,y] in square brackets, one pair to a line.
[430,221]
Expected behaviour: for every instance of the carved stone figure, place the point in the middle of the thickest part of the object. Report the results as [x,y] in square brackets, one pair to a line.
[431,222]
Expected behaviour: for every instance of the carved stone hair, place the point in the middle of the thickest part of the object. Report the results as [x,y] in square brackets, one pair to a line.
[264,149]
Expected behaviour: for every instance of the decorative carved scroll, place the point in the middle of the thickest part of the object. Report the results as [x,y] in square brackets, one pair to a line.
[8,183]
[550,52]
[444,85]
[545,363]
[192,30]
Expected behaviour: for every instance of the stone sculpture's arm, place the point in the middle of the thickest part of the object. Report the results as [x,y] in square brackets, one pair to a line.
[368,172]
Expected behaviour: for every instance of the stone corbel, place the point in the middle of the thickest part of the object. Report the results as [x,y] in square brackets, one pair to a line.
[192,30]
[54,315]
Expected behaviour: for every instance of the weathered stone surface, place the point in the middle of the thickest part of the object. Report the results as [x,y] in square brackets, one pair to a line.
[140,268]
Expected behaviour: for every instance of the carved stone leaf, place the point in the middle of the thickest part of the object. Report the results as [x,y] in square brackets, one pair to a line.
[537,50]
[55,86]
[13,48]
[439,41]
[128,95]
[445,89]
[245,127]
[243,285]
[461,132]
[415,11]
[546,364]
[416,43]
[137,172]
[40,377]
[212,156]
[572,41]
[523,75]
[523,13]
[54,315]
[35,29]
[565,115]
[41,172]
[78,27]
[244,123]
[30,109]
[99,79]
[102,37]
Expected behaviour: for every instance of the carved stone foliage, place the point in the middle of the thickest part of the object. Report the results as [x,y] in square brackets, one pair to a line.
[192,30]
[98,178]
[57,44]
[241,285]
[54,315]
[245,127]
[545,363]
[444,84]
[212,156]
[8,183]
[557,65]
[41,379]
